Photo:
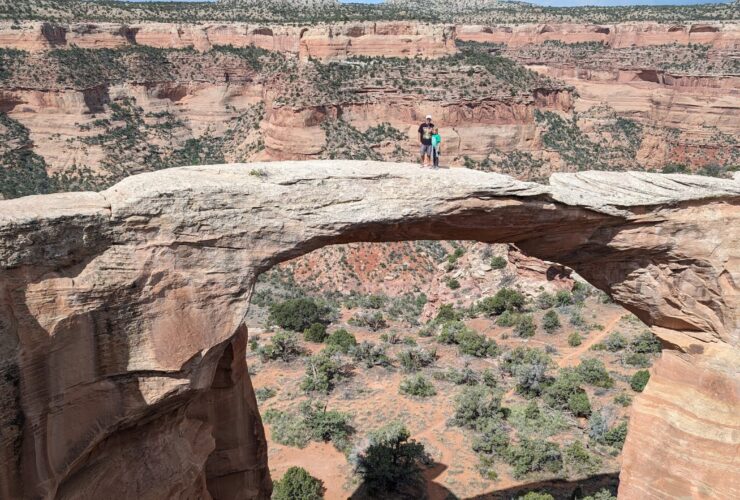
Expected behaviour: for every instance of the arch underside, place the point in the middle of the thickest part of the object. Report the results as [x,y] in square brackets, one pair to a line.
[121,312]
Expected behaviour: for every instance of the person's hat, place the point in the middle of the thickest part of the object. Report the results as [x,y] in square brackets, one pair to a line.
[429,117]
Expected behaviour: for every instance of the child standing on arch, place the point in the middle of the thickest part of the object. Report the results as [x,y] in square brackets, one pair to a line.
[436,140]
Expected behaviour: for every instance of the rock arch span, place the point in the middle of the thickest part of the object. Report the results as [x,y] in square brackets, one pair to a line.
[123,356]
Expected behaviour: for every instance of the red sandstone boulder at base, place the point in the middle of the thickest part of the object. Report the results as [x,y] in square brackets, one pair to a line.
[122,349]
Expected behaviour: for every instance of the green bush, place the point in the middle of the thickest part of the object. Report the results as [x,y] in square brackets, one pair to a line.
[417,385]
[492,437]
[370,354]
[525,326]
[639,380]
[603,494]
[413,360]
[298,484]
[342,339]
[545,300]
[505,299]
[563,298]
[447,313]
[283,346]
[616,435]
[327,425]
[507,319]
[392,461]
[566,393]
[452,283]
[315,333]
[593,372]
[529,366]
[498,262]
[535,495]
[646,343]
[264,393]
[295,314]
[534,455]
[637,359]
[373,321]
[475,404]
[551,322]
[579,460]
[574,339]
[323,372]
[623,399]
[476,344]
[287,429]
[615,342]
[466,376]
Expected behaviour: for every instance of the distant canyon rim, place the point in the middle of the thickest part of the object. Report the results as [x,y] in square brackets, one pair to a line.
[123,347]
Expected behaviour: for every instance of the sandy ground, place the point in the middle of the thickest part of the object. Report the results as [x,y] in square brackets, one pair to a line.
[371,396]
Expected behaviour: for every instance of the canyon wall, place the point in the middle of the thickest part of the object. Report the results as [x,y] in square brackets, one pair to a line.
[122,348]
[389,39]
[718,35]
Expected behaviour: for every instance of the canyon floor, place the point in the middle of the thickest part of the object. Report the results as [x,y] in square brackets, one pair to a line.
[371,394]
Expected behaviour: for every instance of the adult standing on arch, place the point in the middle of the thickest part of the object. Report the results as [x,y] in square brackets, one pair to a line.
[425,138]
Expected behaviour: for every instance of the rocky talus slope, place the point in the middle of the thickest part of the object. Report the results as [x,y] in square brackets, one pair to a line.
[123,352]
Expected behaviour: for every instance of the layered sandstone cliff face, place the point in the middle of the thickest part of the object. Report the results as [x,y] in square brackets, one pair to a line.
[718,35]
[390,39]
[123,354]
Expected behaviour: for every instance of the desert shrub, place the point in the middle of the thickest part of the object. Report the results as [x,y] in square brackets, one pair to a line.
[505,299]
[492,437]
[563,298]
[574,339]
[315,333]
[531,420]
[525,326]
[474,404]
[264,393]
[298,484]
[603,494]
[287,429]
[391,461]
[637,359]
[579,460]
[452,283]
[507,319]
[468,341]
[392,337]
[476,344]
[576,319]
[283,346]
[373,321]
[623,399]
[566,393]
[645,343]
[551,322]
[615,342]
[581,291]
[295,314]
[616,435]
[593,372]
[450,331]
[545,300]
[413,360]
[327,425]
[342,339]
[417,385]
[489,378]
[498,262]
[529,366]
[598,426]
[447,313]
[369,354]
[536,495]
[534,455]
[639,380]
[323,371]
[466,376]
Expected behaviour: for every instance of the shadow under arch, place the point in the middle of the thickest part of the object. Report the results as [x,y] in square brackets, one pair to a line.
[195,239]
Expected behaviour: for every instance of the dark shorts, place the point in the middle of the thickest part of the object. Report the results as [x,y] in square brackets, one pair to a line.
[426,149]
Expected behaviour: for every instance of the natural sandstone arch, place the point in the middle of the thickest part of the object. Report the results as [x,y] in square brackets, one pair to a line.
[122,354]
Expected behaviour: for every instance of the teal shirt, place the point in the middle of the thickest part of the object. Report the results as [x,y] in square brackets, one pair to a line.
[436,139]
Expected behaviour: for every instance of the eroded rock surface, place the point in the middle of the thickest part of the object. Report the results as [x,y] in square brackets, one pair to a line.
[123,355]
